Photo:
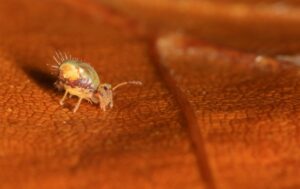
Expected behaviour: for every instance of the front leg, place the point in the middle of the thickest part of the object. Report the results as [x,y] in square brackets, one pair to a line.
[103,107]
[111,104]
[103,103]
[105,100]
[61,102]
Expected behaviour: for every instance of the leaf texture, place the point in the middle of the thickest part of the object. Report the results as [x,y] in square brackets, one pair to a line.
[213,114]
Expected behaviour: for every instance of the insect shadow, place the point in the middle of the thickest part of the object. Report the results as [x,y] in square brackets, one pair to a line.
[42,78]
[36,71]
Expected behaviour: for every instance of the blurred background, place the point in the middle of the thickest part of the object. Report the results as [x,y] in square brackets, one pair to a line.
[219,108]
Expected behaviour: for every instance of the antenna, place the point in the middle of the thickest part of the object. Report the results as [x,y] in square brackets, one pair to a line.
[126,83]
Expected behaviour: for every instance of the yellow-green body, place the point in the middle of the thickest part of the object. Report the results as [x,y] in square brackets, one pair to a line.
[79,79]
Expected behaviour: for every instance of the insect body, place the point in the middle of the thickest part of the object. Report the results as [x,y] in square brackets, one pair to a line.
[80,79]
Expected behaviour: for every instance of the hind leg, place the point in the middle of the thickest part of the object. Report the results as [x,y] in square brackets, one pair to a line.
[77,105]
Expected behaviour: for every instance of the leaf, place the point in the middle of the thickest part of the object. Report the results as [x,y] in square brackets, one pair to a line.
[140,143]
[206,117]
[266,27]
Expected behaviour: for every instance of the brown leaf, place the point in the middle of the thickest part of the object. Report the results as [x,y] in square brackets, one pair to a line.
[140,143]
[206,117]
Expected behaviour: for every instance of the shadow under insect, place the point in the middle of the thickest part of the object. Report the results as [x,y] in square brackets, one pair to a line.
[35,67]
[42,78]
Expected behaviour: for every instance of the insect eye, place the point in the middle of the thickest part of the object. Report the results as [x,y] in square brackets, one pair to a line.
[105,88]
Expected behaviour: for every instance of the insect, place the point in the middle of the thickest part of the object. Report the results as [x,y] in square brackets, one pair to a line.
[80,79]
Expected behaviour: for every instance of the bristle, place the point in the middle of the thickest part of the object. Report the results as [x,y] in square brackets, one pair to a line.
[53,71]
[66,56]
[55,59]
[57,55]
[61,56]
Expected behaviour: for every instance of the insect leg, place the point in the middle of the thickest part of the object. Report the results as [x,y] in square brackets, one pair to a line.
[102,103]
[77,105]
[61,102]
[103,107]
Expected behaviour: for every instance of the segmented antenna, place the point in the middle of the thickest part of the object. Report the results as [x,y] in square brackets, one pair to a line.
[126,83]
